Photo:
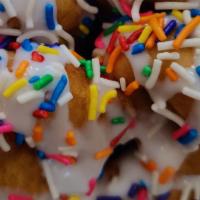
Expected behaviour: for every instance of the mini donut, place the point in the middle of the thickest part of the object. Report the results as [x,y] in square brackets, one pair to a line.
[126,60]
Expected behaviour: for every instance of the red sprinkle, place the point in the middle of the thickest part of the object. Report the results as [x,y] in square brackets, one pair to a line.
[123,43]
[125,7]
[134,36]
[37,57]
[40,114]
[92,185]
[66,160]
[14,45]
[142,194]
[181,132]
[112,42]
[64,197]
[116,139]
[18,197]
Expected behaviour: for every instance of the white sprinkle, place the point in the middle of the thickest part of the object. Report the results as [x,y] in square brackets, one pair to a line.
[65,98]
[196,190]
[85,6]
[109,83]
[65,35]
[2,115]
[10,31]
[29,140]
[168,56]
[70,56]
[182,72]
[150,83]
[96,70]
[169,115]
[168,45]
[186,191]
[122,82]
[187,16]
[176,5]
[3,144]
[98,52]
[38,33]
[68,151]
[191,93]
[135,11]
[9,8]
[106,25]
[29,14]
[29,96]
[154,189]
[52,187]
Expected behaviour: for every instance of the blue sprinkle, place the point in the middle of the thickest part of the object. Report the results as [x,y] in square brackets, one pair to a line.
[59,89]
[87,22]
[170,27]
[48,106]
[34,79]
[179,29]
[26,45]
[124,18]
[163,196]
[49,16]
[5,42]
[133,190]
[2,8]
[19,138]
[142,184]
[195,12]
[138,48]
[189,137]
[198,70]
[108,198]
[56,44]
[41,154]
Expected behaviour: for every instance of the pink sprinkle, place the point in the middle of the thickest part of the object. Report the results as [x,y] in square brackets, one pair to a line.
[18,197]
[99,42]
[66,160]
[181,132]
[6,128]
[92,185]
[116,139]
[142,194]
[125,7]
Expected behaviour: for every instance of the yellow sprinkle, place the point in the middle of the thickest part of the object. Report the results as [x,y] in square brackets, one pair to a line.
[128,28]
[21,69]
[93,102]
[145,34]
[103,153]
[84,29]
[105,99]
[74,197]
[14,87]
[178,14]
[47,50]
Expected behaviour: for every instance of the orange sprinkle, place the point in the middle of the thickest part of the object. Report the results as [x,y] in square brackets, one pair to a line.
[79,57]
[157,29]
[37,133]
[187,30]
[172,75]
[146,19]
[70,138]
[131,88]
[103,153]
[112,59]
[150,165]
[152,39]
[21,69]
[166,175]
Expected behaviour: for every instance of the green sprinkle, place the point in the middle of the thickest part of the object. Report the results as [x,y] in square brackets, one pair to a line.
[103,69]
[146,71]
[83,62]
[118,120]
[112,28]
[44,81]
[115,10]
[89,69]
